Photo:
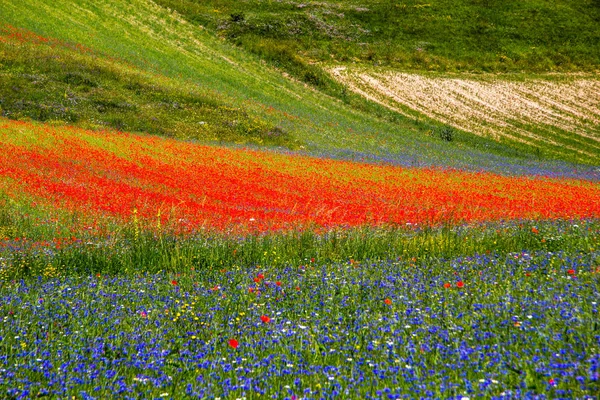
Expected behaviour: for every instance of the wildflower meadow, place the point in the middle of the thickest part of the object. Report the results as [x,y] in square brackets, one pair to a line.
[138,267]
[299,200]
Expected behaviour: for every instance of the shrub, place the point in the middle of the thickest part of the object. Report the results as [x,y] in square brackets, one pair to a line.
[446,133]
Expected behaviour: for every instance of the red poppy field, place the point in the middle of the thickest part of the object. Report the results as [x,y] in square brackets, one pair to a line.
[195,186]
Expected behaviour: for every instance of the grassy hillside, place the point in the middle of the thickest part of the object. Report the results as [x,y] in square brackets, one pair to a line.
[57,82]
[528,37]
[195,78]
[446,35]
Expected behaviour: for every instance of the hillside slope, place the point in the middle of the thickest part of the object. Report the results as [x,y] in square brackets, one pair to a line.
[557,115]
[245,92]
[444,35]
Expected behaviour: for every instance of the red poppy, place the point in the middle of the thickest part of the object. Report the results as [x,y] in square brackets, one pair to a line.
[278,283]
[174,282]
[257,280]
[552,381]
[388,302]
[460,284]
[312,260]
[447,285]
[233,343]
[534,230]
[265,319]
[571,272]
[260,276]
[297,288]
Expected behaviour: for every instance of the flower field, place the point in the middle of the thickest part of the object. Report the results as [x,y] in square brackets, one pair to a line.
[202,203]
[144,267]
[193,186]
[484,326]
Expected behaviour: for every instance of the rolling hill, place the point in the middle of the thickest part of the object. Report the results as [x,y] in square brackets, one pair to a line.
[169,75]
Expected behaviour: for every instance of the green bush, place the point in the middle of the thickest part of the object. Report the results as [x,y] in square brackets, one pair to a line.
[446,133]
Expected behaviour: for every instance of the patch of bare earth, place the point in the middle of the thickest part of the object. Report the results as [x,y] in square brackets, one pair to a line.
[559,115]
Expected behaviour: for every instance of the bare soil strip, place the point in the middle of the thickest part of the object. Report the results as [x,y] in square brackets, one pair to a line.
[562,115]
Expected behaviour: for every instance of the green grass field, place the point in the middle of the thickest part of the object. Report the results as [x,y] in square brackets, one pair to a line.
[484,36]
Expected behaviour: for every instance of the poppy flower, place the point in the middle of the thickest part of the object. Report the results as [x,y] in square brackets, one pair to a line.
[534,230]
[260,276]
[460,284]
[233,343]
[447,285]
[551,381]
[571,272]
[265,319]
[388,302]
[174,282]
[278,283]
